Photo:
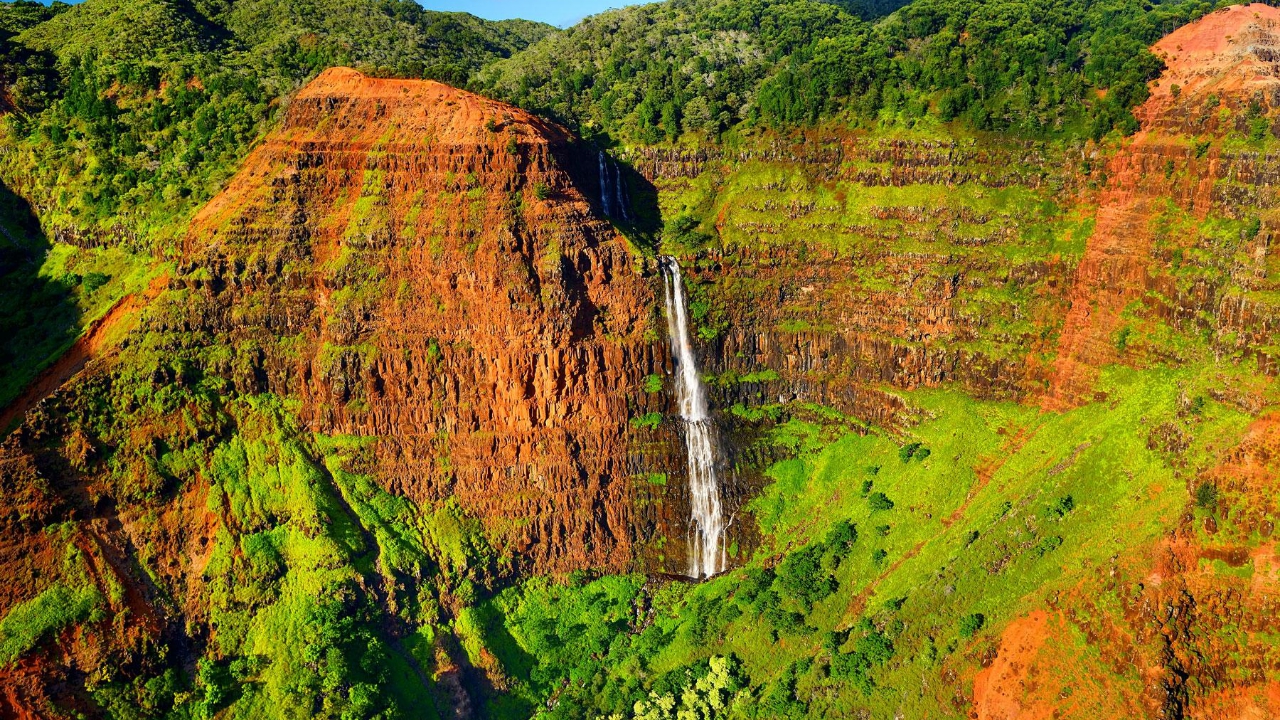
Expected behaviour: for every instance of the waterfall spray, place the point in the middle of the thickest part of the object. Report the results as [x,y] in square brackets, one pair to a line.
[706,545]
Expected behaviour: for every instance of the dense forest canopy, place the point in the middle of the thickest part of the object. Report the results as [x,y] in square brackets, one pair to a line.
[132,112]
[650,73]
[192,82]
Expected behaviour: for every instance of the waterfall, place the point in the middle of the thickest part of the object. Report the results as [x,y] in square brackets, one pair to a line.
[611,192]
[622,199]
[706,545]
[604,186]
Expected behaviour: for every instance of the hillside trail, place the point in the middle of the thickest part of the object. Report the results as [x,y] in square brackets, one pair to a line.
[94,342]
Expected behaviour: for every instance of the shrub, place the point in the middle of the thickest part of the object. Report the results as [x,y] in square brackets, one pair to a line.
[648,420]
[971,624]
[1207,496]
[879,501]
[95,280]
[1046,546]
[906,452]
[753,587]
[1061,508]
[1197,405]
[1251,231]
[802,576]
[840,540]
[875,647]
[1122,338]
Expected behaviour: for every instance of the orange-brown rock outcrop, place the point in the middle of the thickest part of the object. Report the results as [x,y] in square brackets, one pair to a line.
[416,263]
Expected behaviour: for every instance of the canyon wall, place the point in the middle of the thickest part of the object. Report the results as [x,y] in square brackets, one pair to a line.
[429,276]
[417,264]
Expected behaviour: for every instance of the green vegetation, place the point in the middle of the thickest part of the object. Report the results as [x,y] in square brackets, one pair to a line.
[878,501]
[971,624]
[649,420]
[130,114]
[830,628]
[879,555]
[71,598]
[699,67]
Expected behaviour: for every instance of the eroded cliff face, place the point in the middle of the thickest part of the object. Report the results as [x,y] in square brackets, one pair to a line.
[403,338]
[848,270]
[849,263]
[1160,187]
[424,280]
[415,263]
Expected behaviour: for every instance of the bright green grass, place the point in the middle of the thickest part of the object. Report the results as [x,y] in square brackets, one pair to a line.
[995,469]
[71,598]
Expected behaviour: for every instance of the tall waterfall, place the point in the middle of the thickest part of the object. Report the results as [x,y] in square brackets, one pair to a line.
[706,545]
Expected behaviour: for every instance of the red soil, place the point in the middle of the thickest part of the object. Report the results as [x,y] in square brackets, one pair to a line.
[999,690]
[1228,53]
[492,356]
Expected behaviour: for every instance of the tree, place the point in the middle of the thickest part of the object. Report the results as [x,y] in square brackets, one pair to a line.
[971,624]
[698,118]
[878,501]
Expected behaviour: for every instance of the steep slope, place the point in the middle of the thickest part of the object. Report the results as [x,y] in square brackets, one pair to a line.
[398,424]
[1016,402]
[466,306]
[393,369]
[1221,78]
[123,118]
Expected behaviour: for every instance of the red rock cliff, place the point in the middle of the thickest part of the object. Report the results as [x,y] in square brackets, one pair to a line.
[415,262]
[1221,77]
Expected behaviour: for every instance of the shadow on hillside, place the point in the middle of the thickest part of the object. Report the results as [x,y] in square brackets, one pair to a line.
[619,193]
[39,317]
[643,217]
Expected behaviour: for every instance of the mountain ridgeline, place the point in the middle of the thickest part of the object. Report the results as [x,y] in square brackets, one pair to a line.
[731,360]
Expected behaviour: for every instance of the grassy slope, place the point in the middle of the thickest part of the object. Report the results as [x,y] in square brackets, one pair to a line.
[975,529]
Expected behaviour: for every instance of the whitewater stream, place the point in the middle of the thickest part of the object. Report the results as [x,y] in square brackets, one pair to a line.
[706,542]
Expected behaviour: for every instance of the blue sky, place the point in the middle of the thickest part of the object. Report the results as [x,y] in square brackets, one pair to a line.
[556,12]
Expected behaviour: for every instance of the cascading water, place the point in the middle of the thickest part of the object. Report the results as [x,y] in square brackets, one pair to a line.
[612,199]
[604,186]
[706,544]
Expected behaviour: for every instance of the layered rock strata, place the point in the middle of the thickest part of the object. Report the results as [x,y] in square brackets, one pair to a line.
[416,263]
